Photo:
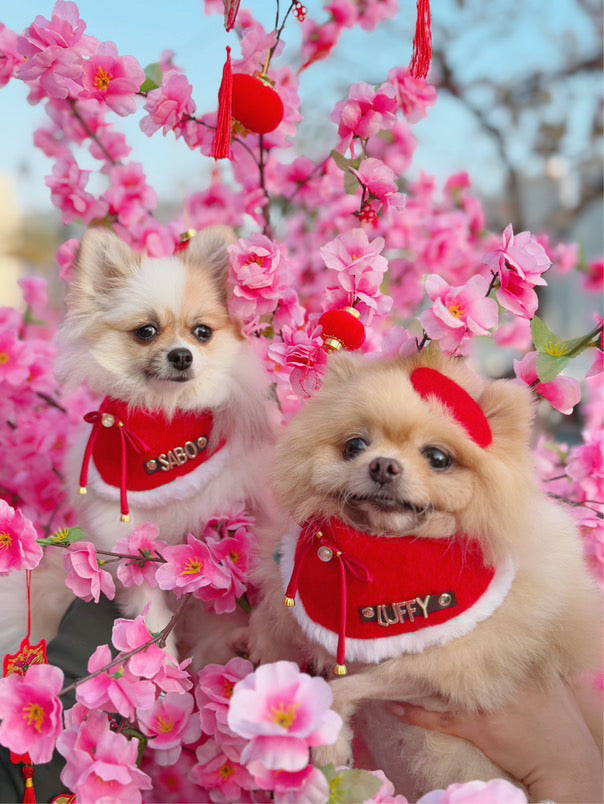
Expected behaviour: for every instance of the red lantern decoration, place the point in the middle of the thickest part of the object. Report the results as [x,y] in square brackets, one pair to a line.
[342,329]
[256,105]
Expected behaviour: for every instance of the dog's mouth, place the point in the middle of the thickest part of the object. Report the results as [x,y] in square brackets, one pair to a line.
[388,503]
[182,376]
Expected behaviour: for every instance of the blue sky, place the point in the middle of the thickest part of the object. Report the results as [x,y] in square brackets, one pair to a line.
[515,36]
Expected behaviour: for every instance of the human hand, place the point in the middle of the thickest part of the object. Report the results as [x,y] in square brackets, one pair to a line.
[540,738]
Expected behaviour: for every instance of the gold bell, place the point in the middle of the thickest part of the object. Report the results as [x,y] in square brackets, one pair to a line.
[125,518]
[289,602]
[83,490]
[340,670]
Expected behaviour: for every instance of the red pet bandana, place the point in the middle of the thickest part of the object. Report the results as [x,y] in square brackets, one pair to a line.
[373,597]
[139,451]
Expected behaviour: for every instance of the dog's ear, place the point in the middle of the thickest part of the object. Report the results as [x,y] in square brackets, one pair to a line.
[208,249]
[341,367]
[103,263]
[510,410]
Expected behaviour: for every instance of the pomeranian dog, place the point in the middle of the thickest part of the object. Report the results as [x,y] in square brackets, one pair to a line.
[427,565]
[181,432]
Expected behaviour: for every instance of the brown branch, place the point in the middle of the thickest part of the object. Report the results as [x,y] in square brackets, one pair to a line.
[78,115]
[158,639]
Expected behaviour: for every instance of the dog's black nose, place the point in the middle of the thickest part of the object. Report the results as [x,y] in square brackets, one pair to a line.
[384,470]
[180,358]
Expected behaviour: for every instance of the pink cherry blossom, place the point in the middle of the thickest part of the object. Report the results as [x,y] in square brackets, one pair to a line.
[66,256]
[563,393]
[380,182]
[282,712]
[112,79]
[10,58]
[520,260]
[585,466]
[496,791]
[84,576]
[594,281]
[168,105]
[19,549]
[189,568]
[116,690]
[172,783]
[127,635]
[213,693]
[30,711]
[169,723]
[224,778]
[303,354]
[101,765]
[67,184]
[413,95]
[143,542]
[35,293]
[306,786]
[254,277]
[16,358]
[53,51]
[458,313]
[129,196]
[366,111]
[359,264]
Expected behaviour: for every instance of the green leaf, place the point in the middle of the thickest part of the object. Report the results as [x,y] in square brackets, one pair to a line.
[153,76]
[340,160]
[351,183]
[542,335]
[549,366]
[350,786]
[64,537]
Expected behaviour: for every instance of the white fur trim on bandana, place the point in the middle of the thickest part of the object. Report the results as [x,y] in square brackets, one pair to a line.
[376,650]
[181,488]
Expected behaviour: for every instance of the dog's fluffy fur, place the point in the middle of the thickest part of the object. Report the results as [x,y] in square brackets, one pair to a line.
[549,623]
[114,293]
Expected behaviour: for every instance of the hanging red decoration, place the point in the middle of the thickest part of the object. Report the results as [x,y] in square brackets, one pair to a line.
[221,147]
[19,663]
[183,240]
[422,43]
[231,7]
[256,105]
[342,330]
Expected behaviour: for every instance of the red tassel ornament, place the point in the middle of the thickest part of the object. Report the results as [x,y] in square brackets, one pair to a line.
[422,42]
[342,330]
[231,7]
[222,138]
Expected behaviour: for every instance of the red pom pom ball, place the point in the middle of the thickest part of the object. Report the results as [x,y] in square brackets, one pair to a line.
[256,105]
[342,329]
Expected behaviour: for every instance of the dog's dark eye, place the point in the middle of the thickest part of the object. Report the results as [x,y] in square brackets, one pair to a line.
[353,447]
[437,458]
[146,333]
[202,332]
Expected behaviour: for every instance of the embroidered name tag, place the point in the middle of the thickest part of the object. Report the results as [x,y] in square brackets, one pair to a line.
[177,456]
[396,613]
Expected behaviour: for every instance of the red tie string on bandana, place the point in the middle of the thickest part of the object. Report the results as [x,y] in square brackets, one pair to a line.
[346,564]
[99,419]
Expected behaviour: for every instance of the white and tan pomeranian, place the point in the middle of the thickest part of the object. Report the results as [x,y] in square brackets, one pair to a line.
[183,427]
[427,564]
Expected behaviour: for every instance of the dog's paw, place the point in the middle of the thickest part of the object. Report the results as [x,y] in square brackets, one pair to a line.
[339,753]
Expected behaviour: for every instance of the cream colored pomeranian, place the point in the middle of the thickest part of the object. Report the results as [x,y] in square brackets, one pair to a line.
[426,565]
[181,432]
